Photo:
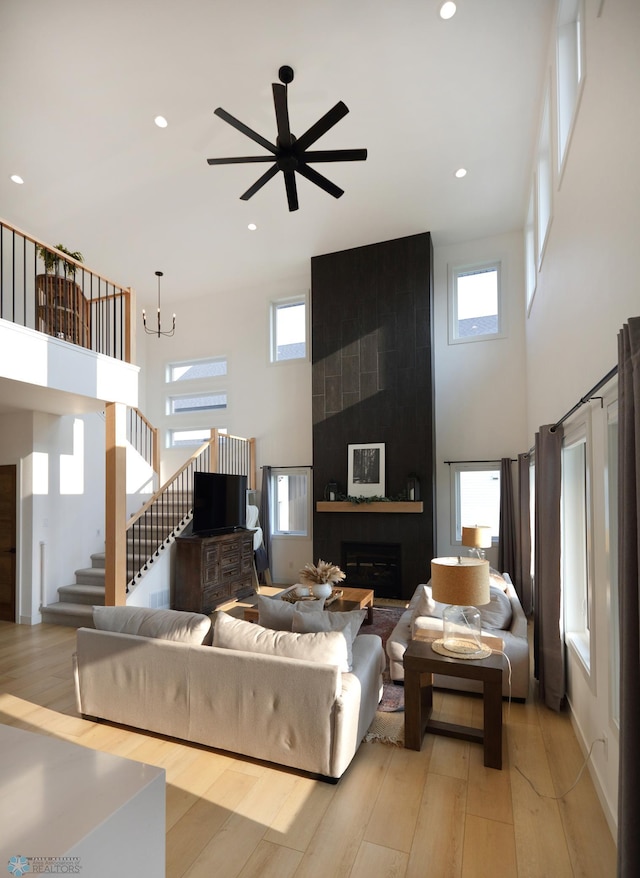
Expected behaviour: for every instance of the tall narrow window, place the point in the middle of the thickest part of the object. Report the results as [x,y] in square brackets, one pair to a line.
[531,273]
[290,502]
[544,179]
[475,498]
[475,302]
[611,484]
[575,544]
[570,68]
[288,330]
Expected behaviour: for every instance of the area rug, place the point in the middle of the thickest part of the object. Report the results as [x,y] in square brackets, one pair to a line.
[388,723]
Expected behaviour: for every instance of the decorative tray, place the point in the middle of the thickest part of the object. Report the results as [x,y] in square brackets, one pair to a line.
[293,597]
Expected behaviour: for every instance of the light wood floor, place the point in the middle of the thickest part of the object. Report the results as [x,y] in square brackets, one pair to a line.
[395,813]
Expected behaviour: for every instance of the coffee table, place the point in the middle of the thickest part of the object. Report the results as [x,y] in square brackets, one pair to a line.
[420,664]
[352,599]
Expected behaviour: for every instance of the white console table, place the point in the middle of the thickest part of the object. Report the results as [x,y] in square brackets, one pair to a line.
[60,801]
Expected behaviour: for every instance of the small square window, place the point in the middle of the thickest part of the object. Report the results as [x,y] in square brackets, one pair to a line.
[475,498]
[288,330]
[289,498]
[475,303]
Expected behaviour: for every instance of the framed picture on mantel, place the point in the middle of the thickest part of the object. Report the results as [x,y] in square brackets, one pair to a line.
[366,470]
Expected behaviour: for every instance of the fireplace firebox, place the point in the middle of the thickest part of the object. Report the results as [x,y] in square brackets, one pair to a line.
[373,565]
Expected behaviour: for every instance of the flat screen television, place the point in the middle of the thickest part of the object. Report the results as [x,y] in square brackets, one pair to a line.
[219,503]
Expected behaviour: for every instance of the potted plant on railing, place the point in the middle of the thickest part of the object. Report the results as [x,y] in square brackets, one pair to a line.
[61,308]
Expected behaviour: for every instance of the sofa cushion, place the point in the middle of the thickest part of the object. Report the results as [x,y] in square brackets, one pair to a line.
[278,614]
[424,604]
[324,647]
[176,625]
[497,613]
[346,623]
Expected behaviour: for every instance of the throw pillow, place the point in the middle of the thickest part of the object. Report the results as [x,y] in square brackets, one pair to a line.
[497,579]
[425,605]
[348,624]
[325,647]
[161,624]
[278,614]
[497,613]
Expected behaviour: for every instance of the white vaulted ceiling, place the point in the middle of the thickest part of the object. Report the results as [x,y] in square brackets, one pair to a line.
[82,80]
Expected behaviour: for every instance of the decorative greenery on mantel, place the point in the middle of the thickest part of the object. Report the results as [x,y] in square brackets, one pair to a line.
[375,499]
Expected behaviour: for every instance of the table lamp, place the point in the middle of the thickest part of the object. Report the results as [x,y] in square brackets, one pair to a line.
[477,537]
[462,583]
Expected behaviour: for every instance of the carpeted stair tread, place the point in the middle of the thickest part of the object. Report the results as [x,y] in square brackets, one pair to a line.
[69,614]
[82,594]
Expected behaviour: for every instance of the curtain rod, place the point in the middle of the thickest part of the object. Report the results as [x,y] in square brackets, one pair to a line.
[493,460]
[289,466]
[587,397]
[591,394]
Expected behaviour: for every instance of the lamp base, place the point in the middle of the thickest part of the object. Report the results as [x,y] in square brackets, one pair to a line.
[480,651]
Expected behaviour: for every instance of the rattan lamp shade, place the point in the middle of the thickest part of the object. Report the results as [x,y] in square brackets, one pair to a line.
[460,581]
[478,536]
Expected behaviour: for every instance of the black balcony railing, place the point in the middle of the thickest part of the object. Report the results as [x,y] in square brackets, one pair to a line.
[45,289]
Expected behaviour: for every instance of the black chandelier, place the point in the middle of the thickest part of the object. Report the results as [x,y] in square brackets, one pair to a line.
[158,330]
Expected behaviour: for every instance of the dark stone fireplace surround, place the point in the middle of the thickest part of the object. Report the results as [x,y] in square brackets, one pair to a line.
[371,318]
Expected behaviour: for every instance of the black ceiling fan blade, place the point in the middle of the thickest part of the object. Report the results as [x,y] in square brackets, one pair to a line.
[320,181]
[335,155]
[282,114]
[242,159]
[240,126]
[322,125]
[273,170]
[292,189]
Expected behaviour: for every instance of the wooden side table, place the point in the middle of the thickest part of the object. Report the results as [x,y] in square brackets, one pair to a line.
[420,664]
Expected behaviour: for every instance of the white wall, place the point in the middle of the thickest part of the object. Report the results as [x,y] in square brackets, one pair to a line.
[586,289]
[60,470]
[271,402]
[480,386]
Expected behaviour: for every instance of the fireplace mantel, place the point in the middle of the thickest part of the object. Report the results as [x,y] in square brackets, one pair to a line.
[375,506]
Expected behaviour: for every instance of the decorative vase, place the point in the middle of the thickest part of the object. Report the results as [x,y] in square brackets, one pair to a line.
[322,589]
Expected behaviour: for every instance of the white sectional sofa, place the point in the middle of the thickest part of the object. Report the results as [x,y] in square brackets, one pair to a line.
[503,618]
[150,669]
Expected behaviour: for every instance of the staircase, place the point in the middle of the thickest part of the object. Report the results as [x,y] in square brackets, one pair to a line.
[74,608]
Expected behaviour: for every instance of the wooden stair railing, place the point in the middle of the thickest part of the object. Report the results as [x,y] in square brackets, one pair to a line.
[135,545]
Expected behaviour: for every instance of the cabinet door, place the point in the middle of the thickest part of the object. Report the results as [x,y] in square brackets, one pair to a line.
[211,572]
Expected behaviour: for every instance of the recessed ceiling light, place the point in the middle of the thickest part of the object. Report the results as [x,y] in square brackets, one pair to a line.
[161,122]
[17,179]
[447,10]
[461,172]
[252,227]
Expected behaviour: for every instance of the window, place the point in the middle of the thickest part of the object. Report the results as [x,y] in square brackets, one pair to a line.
[290,502]
[288,330]
[197,402]
[569,68]
[544,179]
[475,497]
[574,541]
[611,486]
[188,438]
[531,276]
[475,303]
[192,369]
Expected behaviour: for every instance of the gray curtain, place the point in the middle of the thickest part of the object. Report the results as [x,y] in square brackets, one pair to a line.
[522,581]
[264,562]
[629,601]
[507,541]
[548,647]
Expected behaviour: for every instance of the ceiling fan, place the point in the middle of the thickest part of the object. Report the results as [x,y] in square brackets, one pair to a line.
[290,154]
